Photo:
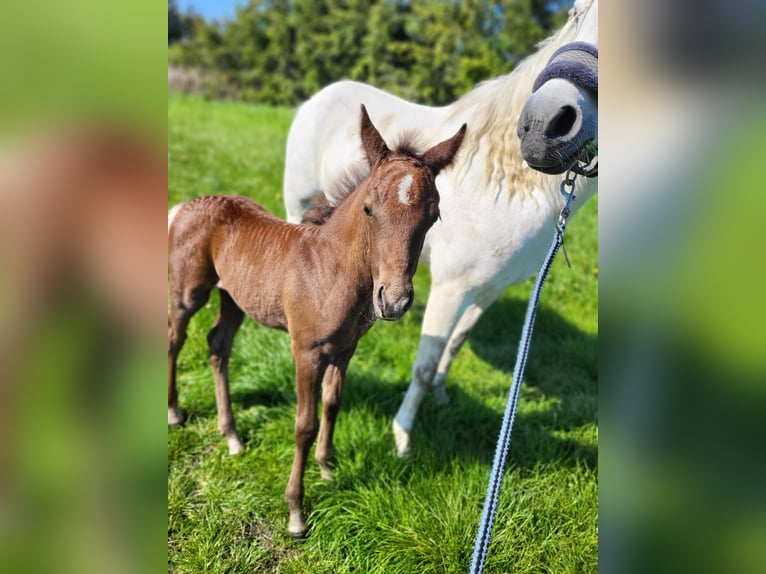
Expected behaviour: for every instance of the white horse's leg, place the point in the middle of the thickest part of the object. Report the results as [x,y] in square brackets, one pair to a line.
[457,338]
[473,312]
[444,308]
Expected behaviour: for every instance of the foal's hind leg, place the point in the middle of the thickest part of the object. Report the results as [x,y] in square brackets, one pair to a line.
[220,340]
[184,303]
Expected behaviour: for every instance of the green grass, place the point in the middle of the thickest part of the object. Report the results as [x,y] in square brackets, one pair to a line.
[382,514]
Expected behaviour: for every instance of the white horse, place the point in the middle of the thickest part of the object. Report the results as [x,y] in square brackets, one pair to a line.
[497,214]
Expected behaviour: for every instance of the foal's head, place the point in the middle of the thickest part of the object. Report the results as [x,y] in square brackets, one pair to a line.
[398,204]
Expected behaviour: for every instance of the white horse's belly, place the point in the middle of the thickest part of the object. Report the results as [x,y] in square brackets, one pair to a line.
[484,243]
[488,242]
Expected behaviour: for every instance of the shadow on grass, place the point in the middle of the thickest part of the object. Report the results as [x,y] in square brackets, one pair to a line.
[272,396]
[562,365]
[203,405]
[563,360]
[467,429]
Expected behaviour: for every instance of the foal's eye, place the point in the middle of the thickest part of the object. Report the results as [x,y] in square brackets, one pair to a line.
[367,210]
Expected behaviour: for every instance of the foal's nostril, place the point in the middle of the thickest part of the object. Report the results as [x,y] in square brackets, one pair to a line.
[562,123]
[380,298]
[410,299]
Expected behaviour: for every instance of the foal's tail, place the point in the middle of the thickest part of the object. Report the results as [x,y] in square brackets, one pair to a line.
[172,212]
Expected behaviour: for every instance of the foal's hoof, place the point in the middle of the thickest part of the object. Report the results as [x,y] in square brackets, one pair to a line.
[402,438]
[297,527]
[299,535]
[174,416]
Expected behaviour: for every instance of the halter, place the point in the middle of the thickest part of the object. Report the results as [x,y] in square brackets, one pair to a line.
[481,544]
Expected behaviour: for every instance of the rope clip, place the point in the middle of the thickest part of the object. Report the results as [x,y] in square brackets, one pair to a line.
[569,195]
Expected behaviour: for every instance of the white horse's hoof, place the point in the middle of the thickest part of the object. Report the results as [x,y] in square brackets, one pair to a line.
[235,445]
[440,396]
[326,474]
[174,416]
[402,438]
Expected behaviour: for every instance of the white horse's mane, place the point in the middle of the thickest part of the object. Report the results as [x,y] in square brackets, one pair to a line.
[408,142]
[492,109]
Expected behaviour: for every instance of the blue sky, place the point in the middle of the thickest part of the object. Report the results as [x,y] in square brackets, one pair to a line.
[211,9]
[220,9]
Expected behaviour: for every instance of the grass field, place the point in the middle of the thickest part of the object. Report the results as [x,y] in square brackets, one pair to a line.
[382,514]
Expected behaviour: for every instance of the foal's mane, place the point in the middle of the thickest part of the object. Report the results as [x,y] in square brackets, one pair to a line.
[407,144]
[492,110]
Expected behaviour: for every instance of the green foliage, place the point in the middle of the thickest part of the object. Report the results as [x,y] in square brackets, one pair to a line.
[382,514]
[283,51]
[175,24]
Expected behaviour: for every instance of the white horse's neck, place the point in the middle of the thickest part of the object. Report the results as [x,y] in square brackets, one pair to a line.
[585,15]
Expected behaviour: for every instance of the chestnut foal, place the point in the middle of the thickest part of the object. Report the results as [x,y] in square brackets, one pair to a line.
[323,283]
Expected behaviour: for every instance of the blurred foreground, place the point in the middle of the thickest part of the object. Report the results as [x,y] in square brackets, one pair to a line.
[83,179]
[682,281]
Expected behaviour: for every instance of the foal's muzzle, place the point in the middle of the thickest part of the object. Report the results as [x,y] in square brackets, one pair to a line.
[391,303]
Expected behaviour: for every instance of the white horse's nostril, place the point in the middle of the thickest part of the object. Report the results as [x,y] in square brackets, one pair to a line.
[562,123]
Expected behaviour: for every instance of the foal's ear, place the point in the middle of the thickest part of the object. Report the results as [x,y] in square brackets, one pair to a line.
[374,147]
[442,154]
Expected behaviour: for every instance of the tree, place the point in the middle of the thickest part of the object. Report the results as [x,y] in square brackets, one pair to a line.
[433,51]
[175,27]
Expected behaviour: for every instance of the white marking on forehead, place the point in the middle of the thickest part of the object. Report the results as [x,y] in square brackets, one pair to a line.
[404,189]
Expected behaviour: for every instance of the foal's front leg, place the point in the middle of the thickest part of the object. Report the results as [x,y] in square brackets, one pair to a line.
[332,390]
[308,374]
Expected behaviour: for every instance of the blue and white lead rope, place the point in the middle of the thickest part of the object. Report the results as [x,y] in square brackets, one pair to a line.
[504,440]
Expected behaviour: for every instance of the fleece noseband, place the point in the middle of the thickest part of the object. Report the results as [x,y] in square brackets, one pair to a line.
[576,62]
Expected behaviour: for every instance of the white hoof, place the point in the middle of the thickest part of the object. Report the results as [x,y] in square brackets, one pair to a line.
[326,470]
[174,416]
[297,527]
[402,438]
[235,445]
[440,396]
